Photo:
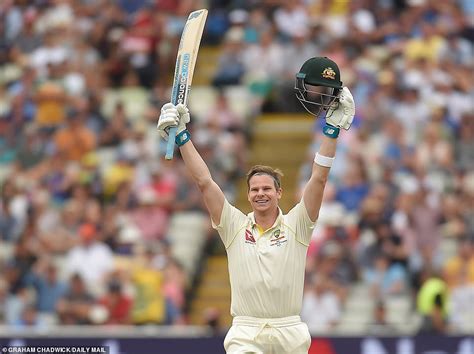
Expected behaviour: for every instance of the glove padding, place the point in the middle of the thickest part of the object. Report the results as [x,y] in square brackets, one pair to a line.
[341,113]
[172,116]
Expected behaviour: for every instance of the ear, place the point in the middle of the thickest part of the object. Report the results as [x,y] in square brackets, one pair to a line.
[279,193]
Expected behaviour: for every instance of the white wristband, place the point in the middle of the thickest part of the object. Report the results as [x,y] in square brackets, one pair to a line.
[323,160]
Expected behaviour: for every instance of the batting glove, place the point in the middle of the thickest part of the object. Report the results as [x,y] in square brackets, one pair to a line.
[341,113]
[172,116]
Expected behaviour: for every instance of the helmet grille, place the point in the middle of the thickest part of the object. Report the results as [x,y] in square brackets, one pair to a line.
[315,99]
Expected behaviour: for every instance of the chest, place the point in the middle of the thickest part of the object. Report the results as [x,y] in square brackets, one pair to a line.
[271,243]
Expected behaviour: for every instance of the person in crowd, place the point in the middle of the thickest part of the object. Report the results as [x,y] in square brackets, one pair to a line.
[75,307]
[49,287]
[322,307]
[117,304]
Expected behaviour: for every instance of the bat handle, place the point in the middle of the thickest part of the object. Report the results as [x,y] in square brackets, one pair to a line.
[170,145]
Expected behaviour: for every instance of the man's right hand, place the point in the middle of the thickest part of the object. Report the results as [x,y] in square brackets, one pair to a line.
[172,116]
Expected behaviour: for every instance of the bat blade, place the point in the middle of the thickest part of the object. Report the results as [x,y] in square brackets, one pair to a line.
[185,61]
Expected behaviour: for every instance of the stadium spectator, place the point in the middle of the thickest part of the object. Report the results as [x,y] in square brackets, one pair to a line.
[464,146]
[150,218]
[460,300]
[321,306]
[91,259]
[292,20]
[117,304]
[75,307]
[379,325]
[64,234]
[163,180]
[230,66]
[31,149]
[187,194]
[3,297]
[461,264]
[428,45]
[174,285]
[432,304]
[117,128]
[386,279]
[16,303]
[336,260]
[49,288]
[30,318]
[10,227]
[74,140]
[19,264]
[354,187]
[435,321]
[149,304]
[262,63]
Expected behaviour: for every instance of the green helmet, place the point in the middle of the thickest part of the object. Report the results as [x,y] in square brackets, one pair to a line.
[318,84]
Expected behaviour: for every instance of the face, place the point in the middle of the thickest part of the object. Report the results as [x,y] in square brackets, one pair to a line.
[315,99]
[381,264]
[263,195]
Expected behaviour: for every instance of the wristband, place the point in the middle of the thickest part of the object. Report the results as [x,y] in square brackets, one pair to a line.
[324,161]
[331,131]
[182,138]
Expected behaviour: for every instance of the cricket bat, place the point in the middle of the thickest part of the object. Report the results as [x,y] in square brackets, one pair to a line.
[184,69]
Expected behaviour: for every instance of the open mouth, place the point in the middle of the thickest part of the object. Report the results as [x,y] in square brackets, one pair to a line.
[261,202]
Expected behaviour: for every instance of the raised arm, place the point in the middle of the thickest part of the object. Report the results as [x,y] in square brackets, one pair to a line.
[213,195]
[313,192]
[340,116]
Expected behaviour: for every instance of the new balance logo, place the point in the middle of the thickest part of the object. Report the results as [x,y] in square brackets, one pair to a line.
[194,15]
[249,237]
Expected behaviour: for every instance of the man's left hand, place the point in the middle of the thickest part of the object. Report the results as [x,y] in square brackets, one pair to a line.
[341,113]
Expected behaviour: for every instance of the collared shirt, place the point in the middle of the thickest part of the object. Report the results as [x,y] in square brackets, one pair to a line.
[266,270]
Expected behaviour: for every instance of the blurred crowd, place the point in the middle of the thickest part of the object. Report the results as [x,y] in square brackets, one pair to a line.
[399,206]
[86,199]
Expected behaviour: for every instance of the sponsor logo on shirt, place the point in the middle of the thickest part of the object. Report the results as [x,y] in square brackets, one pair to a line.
[249,237]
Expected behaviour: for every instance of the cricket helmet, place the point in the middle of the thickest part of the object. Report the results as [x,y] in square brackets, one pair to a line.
[318,84]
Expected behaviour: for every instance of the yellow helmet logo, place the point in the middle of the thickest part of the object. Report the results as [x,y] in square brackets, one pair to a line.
[329,73]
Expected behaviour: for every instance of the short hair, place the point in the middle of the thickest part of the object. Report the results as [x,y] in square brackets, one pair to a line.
[259,170]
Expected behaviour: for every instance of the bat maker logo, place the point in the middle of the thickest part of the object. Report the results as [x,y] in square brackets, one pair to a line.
[183,79]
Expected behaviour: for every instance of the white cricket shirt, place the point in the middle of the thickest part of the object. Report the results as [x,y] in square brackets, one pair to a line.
[266,271]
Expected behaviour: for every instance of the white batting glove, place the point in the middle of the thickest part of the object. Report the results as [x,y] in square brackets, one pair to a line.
[341,114]
[172,116]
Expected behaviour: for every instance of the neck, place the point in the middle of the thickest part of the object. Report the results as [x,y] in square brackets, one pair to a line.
[266,220]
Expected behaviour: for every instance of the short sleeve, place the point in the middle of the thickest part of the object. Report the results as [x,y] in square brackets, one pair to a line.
[299,220]
[232,221]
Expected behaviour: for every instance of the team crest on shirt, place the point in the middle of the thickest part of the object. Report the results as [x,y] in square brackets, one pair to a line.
[249,237]
[278,238]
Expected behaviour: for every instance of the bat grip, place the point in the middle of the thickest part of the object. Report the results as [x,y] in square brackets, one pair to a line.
[170,145]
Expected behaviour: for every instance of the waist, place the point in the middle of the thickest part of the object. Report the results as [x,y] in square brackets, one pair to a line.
[273,322]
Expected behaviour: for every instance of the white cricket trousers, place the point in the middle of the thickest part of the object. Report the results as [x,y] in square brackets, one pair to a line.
[285,335]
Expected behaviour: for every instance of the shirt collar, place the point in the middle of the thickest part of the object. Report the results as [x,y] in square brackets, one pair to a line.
[251,217]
